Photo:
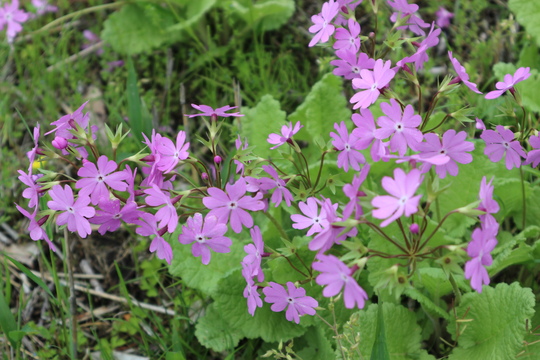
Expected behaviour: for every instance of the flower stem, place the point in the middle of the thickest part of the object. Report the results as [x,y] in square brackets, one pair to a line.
[455,288]
[277,225]
[524,204]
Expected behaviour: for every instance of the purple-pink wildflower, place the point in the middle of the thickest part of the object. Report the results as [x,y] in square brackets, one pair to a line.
[250,291]
[171,154]
[479,124]
[75,213]
[32,192]
[336,276]
[92,39]
[254,252]
[533,157]
[330,234]
[462,74]
[509,82]
[322,27]
[479,249]
[111,215]
[401,200]
[67,122]
[501,141]
[34,228]
[205,235]
[12,17]
[35,150]
[94,180]
[294,299]
[371,82]
[167,215]
[352,191]
[287,132]
[365,132]
[414,23]
[209,111]
[402,126]
[281,192]
[348,39]
[231,205]
[487,203]
[443,17]
[453,145]
[312,218]
[430,41]
[147,227]
[350,64]
[347,146]
[43,7]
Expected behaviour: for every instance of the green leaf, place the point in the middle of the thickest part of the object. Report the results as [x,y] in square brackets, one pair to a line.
[264,15]
[32,277]
[137,28]
[496,322]
[314,345]
[527,14]
[214,332]
[189,13]
[401,331]
[428,304]
[7,321]
[204,277]
[260,121]
[139,120]
[380,349]
[323,106]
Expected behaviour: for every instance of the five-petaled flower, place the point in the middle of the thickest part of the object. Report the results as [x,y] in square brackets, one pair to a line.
[287,132]
[75,213]
[209,111]
[501,141]
[509,82]
[322,27]
[371,82]
[294,299]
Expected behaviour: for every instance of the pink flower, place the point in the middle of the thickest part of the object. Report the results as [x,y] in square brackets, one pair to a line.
[250,291]
[365,132]
[330,234]
[166,215]
[337,276]
[501,142]
[34,228]
[208,111]
[487,203]
[294,299]
[32,192]
[239,146]
[401,200]
[13,17]
[95,180]
[479,249]
[404,8]
[281,192]
[287,132]
[42,7]
[322,27]
[453,145]
[92,39]
[431,40]
[509,82]
[402,126]
[34,151]
[371,82]
[111,214]
[232,205]
[254,254]
[312,218]
[462,74]
[206,235]
[348,39]
[443,17]
[346,144]
[75,213]
[533,157]
[171,154]
[349,64]
[352,191]
[148,227]
[480,124]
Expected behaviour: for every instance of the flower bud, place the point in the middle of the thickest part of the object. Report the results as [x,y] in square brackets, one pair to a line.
[60,143]
[204,176]
[414,228]
[217,159]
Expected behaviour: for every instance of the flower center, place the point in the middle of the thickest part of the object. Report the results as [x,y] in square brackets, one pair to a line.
[505,144]
[117,216]
[232,205]
[374,86]
[70,209]
[347,147]
[200,238]
[290,300]
[355,69]
[403,200]
[399,127]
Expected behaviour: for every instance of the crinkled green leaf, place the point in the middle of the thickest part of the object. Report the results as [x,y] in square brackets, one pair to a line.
[214,332]
[189,12]
[265,14]
[497,322]
[137,28]
[427,303]
[531,345]
[204,277]
[323,106]
[260,121]
[402,332]
[527,14]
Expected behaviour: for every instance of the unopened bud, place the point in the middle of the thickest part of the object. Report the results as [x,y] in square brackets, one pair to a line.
[217,159]
[371,35]
[414,228]
[60,143]
[204,176]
